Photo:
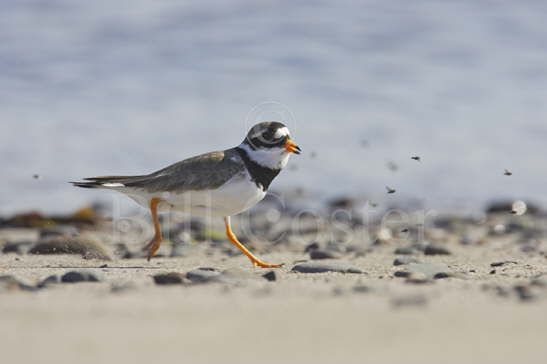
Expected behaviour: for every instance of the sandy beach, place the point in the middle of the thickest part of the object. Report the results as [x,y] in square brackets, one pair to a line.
[488,306]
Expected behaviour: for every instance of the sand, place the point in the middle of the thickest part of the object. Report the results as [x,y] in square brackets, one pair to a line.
[305,318]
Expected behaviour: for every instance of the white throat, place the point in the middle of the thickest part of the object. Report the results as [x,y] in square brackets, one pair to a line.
[273,158]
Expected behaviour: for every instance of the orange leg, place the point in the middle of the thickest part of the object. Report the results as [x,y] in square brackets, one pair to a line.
[153,246]
[233,239]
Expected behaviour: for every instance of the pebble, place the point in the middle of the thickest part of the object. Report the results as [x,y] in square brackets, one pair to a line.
[442,275]
[77,277]
[270,276]
[401,274]
[311,247]
[405,260]
[524,293]
[86,247]
[404,251]
[499,264]
[204,275]
[168,278]
[16,248]
[53,279]
[323,267]
[318,254]
[418,278]
[433,249]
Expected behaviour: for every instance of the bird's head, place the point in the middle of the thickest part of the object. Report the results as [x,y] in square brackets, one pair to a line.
[269,144]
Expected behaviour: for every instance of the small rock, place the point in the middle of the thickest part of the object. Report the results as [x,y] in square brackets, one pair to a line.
[270,276]
[442,275]
[88,248]
[418,278]
[404,251]
[168,278]
[524,293]
[104,266]
[499,264]
[493,271]
[16,248]
[53,279]
[433,249]
[76,277]
[323,267]
[401,274]
[318,254]
[311,247]
[405,260]
[204,275]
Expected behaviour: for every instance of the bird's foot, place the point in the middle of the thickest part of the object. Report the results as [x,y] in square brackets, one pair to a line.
[261,264]
[152,247]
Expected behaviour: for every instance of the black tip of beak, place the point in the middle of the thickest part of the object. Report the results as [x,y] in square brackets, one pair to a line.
[298,150]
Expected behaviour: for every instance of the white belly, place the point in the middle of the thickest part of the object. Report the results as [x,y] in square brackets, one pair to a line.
[233,197]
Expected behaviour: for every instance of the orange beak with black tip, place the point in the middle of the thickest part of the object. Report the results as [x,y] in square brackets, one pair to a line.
[292,147]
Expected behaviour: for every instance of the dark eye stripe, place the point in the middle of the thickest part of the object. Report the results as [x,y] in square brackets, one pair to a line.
[261,143]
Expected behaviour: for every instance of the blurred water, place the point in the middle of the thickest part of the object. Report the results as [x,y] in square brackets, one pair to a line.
[127,87]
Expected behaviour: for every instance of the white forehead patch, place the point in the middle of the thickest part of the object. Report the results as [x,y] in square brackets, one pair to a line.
[281,132]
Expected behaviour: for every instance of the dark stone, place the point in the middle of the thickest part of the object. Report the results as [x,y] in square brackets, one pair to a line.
[311,247]
[323,267]
[401,274]
[168,278]
[76,277]
[499,264]
[318,254]
[104,266]
[53,279]
[493,271]
[433,249]
[441,275]
[12,248]
[86,247]
[404,251]
[524,293]
[270,276]
[405,260]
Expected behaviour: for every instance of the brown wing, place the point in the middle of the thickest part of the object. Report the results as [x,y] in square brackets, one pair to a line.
[202,172]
